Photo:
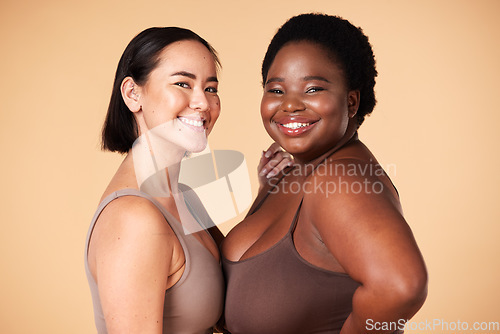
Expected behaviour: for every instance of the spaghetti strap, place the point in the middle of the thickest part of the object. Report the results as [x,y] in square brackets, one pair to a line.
[295,218]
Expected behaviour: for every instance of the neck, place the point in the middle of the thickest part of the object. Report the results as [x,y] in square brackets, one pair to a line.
[157,165]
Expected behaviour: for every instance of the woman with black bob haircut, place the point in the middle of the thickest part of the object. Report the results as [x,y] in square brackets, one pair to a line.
[325,247]
[147,272]
[137,61]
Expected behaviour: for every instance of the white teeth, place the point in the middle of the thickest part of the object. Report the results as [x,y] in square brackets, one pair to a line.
[295,125]
[191,121]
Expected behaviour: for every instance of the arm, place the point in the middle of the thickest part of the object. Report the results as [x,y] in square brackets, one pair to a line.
[367,234]
[133,249]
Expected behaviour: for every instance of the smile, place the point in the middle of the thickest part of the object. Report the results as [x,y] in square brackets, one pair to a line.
[295,125]
[194,124]
[295,128]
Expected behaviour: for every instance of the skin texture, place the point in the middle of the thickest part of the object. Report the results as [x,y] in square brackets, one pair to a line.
[354,223]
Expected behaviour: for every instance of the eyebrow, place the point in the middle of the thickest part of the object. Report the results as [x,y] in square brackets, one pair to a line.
[193,76]
[307,78]
[315,77]
[274,80]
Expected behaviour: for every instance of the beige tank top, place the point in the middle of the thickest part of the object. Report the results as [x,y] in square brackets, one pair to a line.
[194,304]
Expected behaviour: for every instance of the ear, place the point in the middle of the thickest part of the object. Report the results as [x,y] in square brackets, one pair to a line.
[131,94]
[353,98]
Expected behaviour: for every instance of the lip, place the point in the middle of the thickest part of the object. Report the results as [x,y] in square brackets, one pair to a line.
[295,121]
[193,123]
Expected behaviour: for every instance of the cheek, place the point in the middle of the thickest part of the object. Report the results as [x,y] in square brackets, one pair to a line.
[214,109]
[268,107]
[169,105]
[214,113]
[330,107]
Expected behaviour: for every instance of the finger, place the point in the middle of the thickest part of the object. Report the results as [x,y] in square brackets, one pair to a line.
[273,153]
[287,156]
[263,161]
[272,150]
[278,168]
[276,160]
[278,157]
[271,163]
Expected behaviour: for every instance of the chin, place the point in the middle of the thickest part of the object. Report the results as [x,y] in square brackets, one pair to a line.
[294,148]
[196,146]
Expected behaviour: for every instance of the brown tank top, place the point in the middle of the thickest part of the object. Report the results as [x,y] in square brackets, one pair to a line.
[278,291]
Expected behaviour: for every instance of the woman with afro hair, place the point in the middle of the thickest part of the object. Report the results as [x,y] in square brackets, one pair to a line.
[325,247]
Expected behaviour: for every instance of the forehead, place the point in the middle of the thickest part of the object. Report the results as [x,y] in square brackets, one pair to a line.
[187,55]
[305,56]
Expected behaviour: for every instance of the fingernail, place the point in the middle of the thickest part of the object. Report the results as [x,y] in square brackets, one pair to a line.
[267,154]
[263,172]
[271,174]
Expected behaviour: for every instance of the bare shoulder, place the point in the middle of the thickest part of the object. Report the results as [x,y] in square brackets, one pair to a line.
[132,220]
[133,210]
[359,219]
[132,256]
[352,182]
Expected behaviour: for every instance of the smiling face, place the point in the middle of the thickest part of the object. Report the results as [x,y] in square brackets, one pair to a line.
[179,101]
[306,106]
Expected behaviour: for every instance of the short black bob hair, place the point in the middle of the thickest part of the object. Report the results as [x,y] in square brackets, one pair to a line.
[139,59]
[348,46]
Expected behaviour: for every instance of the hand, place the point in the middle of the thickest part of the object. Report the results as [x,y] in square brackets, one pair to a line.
[273,161]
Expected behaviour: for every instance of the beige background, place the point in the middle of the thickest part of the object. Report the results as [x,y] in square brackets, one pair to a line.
[436,125]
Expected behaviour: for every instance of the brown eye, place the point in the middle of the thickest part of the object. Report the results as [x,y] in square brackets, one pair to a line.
[275,91]
[314,89]
[182,84]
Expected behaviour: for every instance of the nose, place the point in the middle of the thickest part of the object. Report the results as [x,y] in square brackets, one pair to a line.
[292,103]
[199,101]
